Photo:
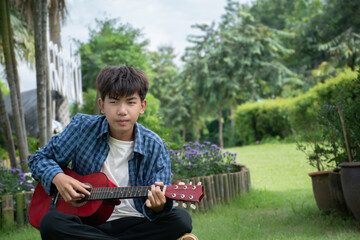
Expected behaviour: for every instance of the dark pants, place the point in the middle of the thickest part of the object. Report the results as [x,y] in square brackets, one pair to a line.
[57,225]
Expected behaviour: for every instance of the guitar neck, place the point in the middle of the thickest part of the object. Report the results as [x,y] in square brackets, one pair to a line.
[118,193]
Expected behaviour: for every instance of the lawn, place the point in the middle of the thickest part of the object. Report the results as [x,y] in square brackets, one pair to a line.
[280,205]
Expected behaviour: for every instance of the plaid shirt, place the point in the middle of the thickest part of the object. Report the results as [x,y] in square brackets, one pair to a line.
[84,142]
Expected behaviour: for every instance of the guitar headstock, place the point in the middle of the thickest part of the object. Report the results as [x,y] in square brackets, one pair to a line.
[186,193]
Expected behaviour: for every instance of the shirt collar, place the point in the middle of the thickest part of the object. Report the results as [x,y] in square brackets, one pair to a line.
[104,130]
[139,141]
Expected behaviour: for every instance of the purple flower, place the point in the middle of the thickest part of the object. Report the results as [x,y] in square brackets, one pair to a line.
[228,169]
[207,142]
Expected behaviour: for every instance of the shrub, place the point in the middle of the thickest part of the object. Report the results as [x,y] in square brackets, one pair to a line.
[13,181]
[279,118]
[328,148]
[195,160]
[263,120]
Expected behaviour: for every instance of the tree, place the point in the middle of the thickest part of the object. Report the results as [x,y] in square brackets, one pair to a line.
[10,146]
[13,80]
[111,43]
[339,35]
[57,13]
[42,68]
[198,86]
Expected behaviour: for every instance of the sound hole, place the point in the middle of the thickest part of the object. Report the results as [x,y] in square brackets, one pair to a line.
[81,203]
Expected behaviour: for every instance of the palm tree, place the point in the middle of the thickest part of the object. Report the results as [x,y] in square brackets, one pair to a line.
[42,71]
[13,80]
[34,10]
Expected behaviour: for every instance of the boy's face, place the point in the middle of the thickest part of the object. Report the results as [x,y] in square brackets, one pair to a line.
[122,113]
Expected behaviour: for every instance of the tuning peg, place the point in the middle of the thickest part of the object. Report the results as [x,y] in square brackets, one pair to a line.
[192,206]
[199,183]
[190,183]
[176,204]
[184,205]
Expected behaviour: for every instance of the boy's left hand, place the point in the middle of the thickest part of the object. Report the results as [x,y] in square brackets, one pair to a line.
[156,198]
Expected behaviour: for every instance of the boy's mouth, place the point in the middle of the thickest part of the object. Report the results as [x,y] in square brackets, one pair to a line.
[122,122]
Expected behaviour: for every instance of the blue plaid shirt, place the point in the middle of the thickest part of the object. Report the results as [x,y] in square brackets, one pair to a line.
[84,142]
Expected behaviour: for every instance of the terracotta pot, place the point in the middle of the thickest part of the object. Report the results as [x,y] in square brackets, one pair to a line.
[328,192]
[350,181]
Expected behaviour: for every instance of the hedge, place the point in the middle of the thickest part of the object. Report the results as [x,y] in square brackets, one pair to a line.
[285,117]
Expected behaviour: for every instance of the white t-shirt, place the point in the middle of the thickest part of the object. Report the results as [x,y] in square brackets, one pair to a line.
[116,169]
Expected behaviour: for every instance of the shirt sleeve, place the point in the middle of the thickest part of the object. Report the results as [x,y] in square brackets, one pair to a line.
[161,172]
[47,162]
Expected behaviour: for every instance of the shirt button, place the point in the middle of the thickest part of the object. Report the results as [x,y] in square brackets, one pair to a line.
[104,153]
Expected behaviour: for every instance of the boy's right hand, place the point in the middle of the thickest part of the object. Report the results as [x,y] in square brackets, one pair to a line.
[69,188]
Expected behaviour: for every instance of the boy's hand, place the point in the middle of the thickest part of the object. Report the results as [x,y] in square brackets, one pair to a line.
[69,188]
[156,198]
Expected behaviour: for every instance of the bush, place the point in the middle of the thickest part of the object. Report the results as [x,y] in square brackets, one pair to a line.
[279,118]
[195,160]
[327,149]
[263,120]
[14,181]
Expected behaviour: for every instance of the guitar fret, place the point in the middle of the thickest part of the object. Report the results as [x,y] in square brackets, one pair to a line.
[119,193]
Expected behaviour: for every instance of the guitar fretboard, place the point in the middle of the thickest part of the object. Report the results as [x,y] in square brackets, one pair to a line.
[118,193]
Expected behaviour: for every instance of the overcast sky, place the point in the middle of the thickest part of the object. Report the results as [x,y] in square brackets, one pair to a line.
[161,22]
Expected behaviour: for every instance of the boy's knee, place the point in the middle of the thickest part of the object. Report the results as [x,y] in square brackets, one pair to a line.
[47,223]
[183,219]
[53,222]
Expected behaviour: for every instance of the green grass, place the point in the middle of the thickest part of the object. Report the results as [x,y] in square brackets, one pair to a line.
[20,233]
[280,205]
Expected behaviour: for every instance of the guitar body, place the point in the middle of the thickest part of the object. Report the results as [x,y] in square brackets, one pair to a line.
[90,212]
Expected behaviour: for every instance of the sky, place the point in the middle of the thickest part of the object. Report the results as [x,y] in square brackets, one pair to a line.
[161,22]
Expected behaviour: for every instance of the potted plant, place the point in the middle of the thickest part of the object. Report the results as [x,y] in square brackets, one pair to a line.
[325,150]
[326,181]
[348,111]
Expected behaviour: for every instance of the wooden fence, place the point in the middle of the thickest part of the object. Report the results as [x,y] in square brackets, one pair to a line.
[14,209]
[218,189]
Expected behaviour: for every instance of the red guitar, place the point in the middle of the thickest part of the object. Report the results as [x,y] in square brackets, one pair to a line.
[97,208]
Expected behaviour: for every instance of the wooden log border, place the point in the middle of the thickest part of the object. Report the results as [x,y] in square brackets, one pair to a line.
[221,188]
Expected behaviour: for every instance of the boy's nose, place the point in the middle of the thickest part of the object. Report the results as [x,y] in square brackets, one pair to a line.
[121,110]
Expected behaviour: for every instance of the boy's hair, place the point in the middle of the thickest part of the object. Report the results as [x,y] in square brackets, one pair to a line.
[121,82]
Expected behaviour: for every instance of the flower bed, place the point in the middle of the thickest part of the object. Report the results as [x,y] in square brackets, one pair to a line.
[223,178]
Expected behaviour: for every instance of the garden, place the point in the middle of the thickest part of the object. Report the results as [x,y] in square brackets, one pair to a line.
[264,111]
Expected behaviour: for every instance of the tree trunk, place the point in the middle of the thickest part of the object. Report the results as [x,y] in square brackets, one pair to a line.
[10,146]
[11,73]
[96,106]
[44,21]
[54,23]
[16,78]
[184,133]
[40,70]
[221,124]
[197,129]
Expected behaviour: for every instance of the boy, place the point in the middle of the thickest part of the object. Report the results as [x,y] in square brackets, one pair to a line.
[128,153]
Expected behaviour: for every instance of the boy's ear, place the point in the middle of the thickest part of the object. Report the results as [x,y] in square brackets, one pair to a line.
[101,105]
[143,106]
